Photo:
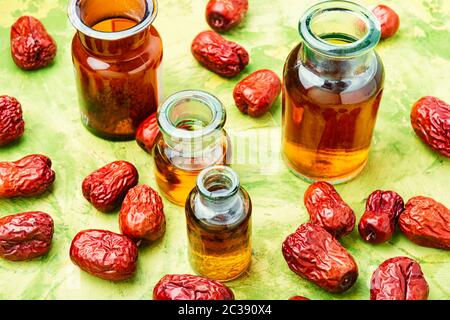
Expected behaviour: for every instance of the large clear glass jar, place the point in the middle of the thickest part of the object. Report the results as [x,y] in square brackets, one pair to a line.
[117,56]
[192,138]
[218,217]
[333,84]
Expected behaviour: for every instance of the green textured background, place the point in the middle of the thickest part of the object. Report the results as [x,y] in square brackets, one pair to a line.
[417,62]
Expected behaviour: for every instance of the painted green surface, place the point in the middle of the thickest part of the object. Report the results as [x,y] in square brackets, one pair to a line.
[417,63]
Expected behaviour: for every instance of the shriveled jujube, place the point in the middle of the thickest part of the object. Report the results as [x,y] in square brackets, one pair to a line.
[12,125]
[426,222]
[190,287]
[25,235]
[312,253]
[27,177]
[222,15]
[327,209]
[147,132]
[399,278]
[104,254]
[106,187]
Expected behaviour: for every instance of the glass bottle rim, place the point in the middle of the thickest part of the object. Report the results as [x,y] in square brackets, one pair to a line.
[358,47]
[224,172]
[151,11]
[168,128]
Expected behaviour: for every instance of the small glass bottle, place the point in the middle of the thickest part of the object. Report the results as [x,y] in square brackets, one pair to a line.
[218,216]
[333,84]
[117,56]
[192,138]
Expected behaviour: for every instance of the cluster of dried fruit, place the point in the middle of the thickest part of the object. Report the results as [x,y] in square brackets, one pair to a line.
[314,253]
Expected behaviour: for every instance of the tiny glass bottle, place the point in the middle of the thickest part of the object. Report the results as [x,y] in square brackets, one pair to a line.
[192,138]
[333,84]
[117,55]
[218,216]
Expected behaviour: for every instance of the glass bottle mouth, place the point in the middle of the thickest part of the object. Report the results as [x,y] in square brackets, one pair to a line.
[191,114]
[218,182]
[83,14]
[340,29]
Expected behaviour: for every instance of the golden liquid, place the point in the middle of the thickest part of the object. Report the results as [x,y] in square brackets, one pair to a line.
[114,25]
[328,126]
[220,252]
[173,180]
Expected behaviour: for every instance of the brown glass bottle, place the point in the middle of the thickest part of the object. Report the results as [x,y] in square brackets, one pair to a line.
[117,55]
[218,216]
[192,138]
[333,84]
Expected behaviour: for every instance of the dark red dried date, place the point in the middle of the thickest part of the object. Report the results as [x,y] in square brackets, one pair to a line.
[31,46]
[399,278]
[389,20]
[142,215]
[378,222]
[25,235]
[426,222]
[106,187]
[312,253]
[104,254]
[147,132]
[430,119]
[226,58]
[190,287]
[222,15]
[327,209]
[12,125]
[256,94]
[27,177]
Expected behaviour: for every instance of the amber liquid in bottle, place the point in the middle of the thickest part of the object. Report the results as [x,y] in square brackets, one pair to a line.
[219,232]
[114,25]
[329,120]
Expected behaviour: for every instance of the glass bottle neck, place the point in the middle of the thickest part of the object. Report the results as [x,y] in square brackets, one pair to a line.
[113,47]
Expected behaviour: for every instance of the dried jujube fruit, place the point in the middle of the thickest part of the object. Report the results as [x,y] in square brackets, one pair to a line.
[389,20]
[314,254]
[106,187]
[147,132]
[31,46]
[25,235]
[426,222]
[378,222]
[142,216]
[104,254]
[226,58]
[256,94]
[298,298]
[327,209]
[12,125]
[28,177]
[430,119]
[190,287]
[399,278]
[222,15]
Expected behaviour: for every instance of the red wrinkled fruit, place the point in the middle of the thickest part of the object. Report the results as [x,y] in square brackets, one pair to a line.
[31,46]
[104,254]
[106,187]
[312,253]
[226,58]
[147,132]
[222,15]
[142,215]
[12,125]
[28,177]
[327,209]
[378,222]
[256,94]
[389,20]
[298,298]
[190,287]
[399,278]
[25,235]
[426,222]
[430,119]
